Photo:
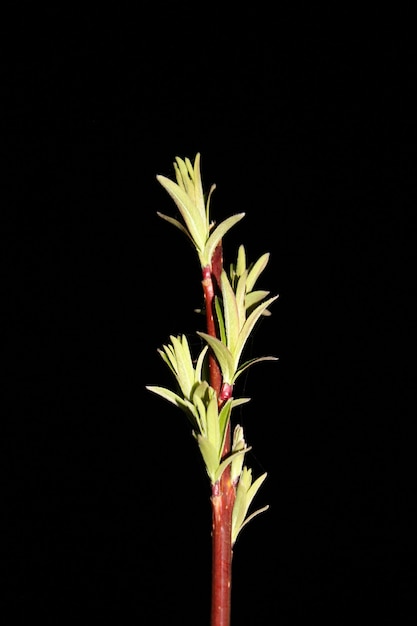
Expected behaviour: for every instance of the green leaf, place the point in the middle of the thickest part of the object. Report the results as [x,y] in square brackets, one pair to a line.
[222,354]
[224,418]
[217,235]
[239,401]
[210,193]
[254,297]
[200,363]
[220,320]
[210,456]
[231,313]
[240,298]
[191,216]
[241,261]
[175,223]
[184,364]
[238,444]
[256,270]
[254,488]
[167,394]
[168,357]
[246,491]
[227,462]
[199,194]
[247,364]
[248,327]
[172,397]
[249,517]
[213,431]
[204,425]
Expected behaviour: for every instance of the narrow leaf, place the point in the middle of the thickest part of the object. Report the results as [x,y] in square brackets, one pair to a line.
[182,403]
[188,210]
[241,261]
[240,298]
[228,460]
[224,417]
[248,519]
[184,365]
[200,362]
[213,431]
[256,270]
[248,327]
[199,194]
[218,234]
[175,223]
[254,297]
[231,314]
[222,354]
[247,364]
[220,320]
[210,457]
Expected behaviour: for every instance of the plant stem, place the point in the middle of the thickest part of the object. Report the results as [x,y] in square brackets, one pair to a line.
[223,492]
[222,500]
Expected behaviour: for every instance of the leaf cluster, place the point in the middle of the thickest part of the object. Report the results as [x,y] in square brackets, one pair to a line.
[238,308]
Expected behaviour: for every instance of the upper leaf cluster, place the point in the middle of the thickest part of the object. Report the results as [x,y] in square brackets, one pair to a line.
[189,197]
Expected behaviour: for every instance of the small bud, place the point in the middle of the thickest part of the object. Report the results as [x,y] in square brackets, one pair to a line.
[226,392]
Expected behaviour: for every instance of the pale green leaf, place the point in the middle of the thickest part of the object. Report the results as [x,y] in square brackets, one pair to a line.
[217,235]
[200,363]
[167,394]
[210,193]
[220,320]
[239,443]
[182,403]
[175,223]
[240,506]
[244,495]
[227,462]
[185,177]
[222,354]
[224,417]
[247,364]
[169,358]
[203,421]
[256,270]
[231,314]
[254,488]
[240,298]
[210,456]
[184,364]
[254,297]
[201,389]
[199,194]
[238,401]
[241,261]
[248,327]
[248,519]
[196,226]
[213,431]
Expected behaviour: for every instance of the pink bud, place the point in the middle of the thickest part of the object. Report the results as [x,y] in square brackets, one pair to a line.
[226,391]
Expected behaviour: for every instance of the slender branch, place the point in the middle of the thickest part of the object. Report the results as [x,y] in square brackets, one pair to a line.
[191,392]
[211,284]
[222,500]
[223,492]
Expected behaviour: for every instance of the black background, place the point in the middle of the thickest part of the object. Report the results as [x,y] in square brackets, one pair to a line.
[303,121]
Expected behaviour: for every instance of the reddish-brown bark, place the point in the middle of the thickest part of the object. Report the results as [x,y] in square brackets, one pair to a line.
[223,492]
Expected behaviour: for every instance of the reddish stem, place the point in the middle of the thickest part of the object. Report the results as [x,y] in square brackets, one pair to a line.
[222,500]
[208,288]
[223,492]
